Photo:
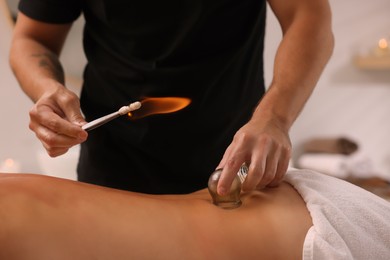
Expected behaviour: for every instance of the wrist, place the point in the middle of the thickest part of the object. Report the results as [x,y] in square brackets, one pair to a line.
[277,107]
[270,116]
[45,86]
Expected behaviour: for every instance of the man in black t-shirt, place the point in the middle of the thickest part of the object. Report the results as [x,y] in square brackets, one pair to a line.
[208,51]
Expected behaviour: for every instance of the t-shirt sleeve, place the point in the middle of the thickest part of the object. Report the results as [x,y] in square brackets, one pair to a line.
[51,11]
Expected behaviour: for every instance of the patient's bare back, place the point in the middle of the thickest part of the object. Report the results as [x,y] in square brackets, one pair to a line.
[50,218]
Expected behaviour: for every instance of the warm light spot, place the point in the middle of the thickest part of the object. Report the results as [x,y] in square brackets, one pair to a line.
[9,162]
[383,44]
[10,166]
[160,105]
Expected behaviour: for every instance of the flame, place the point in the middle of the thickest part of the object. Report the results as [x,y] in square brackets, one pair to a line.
[159,105]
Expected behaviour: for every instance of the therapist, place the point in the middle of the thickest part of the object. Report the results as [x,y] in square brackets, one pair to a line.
[208,51]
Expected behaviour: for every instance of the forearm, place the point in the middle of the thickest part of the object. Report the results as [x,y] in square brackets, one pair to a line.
[55,118]
[36,67]
[301,57]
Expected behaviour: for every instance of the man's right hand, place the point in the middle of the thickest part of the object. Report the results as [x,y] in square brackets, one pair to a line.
[56,120]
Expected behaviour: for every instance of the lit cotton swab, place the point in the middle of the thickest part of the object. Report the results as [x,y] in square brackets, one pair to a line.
[107,118]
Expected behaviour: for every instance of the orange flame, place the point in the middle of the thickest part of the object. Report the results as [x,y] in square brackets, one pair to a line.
[159,105]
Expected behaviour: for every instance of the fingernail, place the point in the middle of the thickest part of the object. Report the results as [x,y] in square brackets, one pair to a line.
[82,136]
[79,123]
[222,191]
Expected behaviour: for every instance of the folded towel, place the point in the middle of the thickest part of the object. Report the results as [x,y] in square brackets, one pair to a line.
[341,145]
[330,164]
[339,165]
[360,165]
[348,221]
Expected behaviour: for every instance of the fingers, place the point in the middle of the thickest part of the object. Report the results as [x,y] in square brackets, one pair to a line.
[267,156]
[231,162]
[282,167]
[268,167]
[56,121]
[228,174]
[70,105]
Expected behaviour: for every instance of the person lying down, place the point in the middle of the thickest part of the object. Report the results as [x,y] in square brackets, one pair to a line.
[309,216]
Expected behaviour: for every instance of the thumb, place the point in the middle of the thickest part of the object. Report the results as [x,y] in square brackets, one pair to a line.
[74,116]
[77,119]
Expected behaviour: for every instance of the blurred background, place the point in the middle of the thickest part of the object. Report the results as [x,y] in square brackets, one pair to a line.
[351,100]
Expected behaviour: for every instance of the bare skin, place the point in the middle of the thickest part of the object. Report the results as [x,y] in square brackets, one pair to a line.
[49,218]
[263,143]
[55,118]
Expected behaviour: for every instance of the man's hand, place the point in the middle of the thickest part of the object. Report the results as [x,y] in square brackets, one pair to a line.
[56,120]
[263,143]
[265,147]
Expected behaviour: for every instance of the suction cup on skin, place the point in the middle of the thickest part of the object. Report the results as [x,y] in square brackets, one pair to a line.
[232,199]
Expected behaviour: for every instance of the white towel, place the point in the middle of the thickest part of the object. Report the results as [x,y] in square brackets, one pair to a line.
[330,164]
[339,165]
[348,222]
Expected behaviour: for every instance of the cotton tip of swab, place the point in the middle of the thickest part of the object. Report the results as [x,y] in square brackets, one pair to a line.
[126,109]
[134,106]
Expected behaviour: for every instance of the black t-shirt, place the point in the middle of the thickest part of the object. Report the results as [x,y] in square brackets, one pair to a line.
[208,51]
